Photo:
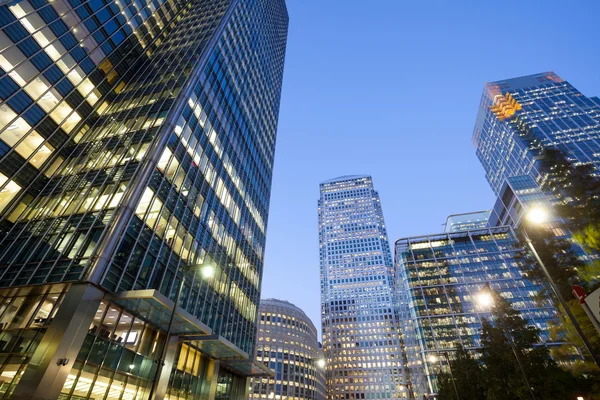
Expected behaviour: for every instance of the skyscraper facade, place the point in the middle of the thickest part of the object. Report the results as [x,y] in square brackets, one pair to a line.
[287,343]
[361,340]
[518,117]
[438,278]
[136,139]
[519,193]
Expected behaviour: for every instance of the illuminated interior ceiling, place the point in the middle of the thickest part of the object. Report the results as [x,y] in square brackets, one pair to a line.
[505,107]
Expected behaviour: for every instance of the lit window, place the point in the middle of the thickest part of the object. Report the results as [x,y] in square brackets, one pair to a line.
[8,192]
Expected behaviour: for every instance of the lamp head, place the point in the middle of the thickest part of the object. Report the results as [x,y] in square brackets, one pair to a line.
[537,215]
[207,271]
[484,297]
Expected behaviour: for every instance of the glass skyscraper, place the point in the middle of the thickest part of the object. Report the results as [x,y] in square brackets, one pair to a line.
[361,338]
[287,343]
[136,138]
[518,117]
[518,193]
[438,277]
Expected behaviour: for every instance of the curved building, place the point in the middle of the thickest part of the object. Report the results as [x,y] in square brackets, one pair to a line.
[287,343]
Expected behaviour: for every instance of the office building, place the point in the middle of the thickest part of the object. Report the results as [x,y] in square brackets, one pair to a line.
[361,340]
[518,194]
[519,117]
[136,139]
[287,344]
[438,277]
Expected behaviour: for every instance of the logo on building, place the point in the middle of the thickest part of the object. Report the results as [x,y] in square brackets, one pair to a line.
[505,107]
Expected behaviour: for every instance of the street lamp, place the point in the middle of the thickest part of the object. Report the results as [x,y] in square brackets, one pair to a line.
[321,363]
[538,215]
[487,300]
[433,359]
[207,271]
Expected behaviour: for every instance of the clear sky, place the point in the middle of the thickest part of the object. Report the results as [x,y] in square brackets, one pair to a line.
[391,88]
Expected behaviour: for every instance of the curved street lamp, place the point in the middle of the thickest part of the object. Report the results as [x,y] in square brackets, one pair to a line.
[485,298]
[434,359]
[207,271]
[538,215]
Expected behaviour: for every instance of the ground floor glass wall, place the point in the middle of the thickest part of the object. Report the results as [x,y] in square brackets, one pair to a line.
[118,357]
[25,314]
[116,360]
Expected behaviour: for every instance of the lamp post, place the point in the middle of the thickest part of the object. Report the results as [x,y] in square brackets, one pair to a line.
[207,271]
[486,299]
[538,215]
[447,357]
[433,359]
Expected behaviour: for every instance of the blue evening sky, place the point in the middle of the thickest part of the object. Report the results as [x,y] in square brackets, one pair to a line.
[391,88]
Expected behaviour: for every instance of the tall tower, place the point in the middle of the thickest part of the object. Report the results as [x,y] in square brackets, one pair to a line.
[520,116]
[361,339]
[136,140]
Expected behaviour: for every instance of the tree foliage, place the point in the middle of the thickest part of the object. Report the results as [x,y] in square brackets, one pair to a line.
[576,186]
[467,375]
[497,374]
[507,337]
[577,190]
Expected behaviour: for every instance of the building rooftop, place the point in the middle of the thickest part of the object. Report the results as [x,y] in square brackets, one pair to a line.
[525,81]
[345,178]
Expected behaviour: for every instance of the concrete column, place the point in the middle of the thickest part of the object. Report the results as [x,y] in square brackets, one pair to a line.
[239,388]
[247,388]
[44,377]
[214,379]
[165,373]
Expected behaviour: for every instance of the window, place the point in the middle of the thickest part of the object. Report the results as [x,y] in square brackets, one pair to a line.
[7,192]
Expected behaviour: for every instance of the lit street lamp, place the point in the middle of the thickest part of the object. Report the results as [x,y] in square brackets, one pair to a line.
[433,359]
[207,271]
[538,215]
[485,298]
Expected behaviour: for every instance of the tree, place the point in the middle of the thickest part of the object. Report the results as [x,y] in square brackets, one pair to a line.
[560,259]
[578,190]
[566,269]
[467,377]
[509,337]
[589,238]
[576,186]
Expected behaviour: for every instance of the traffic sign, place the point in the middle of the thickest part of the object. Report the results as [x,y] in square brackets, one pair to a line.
[593,302]
[579,293]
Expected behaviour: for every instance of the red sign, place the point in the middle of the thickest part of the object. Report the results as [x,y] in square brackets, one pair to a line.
[579,293]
